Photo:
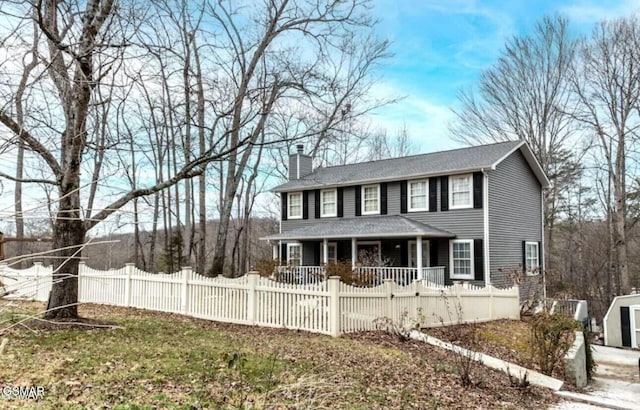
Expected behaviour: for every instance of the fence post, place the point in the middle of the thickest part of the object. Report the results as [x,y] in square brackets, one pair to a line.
[334,305]
[491,301]
[388,291]
[186,275]
[81,292]
[252,297]
[128,270]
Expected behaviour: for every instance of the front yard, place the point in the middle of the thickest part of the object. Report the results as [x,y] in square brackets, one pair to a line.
[155,360]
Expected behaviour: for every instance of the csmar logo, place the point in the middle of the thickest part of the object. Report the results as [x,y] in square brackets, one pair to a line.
[22,392]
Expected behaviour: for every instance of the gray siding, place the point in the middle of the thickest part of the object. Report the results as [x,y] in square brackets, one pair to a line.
[514,216]
[464,223]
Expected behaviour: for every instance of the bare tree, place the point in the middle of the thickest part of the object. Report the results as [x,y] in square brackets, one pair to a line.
[86,50]
[527,95]
[607,83]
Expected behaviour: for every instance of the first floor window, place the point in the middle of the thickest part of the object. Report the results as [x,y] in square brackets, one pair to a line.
[461,259]
[294,254]
[295,205]
[371,199]
[531,256]
[328,200]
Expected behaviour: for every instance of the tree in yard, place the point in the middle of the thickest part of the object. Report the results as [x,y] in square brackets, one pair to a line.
[607,85]
[90,94]
[526,95]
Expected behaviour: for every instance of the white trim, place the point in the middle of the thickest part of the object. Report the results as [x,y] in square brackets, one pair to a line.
[335,203]
[364,236]
[542,242]
[534,270]
[633,325]
[289,216]
[471,275]
[363,200]
[485,215]
[354,252]
[289,246]
[426,195]
[470,185]
[425,249]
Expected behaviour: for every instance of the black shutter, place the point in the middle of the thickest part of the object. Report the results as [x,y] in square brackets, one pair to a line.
[403,197]
[477,189]
[478,259]
[433,194]
[540,256]
[444,193]
[316,198]
[283,254]
[283,203]
[317,254]
[524,256]
[383,198]
[433,252]
[340,202]
[358,189]
[305,204]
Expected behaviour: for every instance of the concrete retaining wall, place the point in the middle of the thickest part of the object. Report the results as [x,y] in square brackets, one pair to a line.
[575,362]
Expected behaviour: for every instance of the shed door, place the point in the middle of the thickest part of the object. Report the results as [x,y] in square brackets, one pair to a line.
[625,326]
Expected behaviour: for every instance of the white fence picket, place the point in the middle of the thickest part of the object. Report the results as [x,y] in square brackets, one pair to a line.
[328,307]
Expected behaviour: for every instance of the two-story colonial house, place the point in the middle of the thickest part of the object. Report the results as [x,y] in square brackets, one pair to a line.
[472,214]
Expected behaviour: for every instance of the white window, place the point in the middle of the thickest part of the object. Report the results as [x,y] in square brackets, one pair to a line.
[460,191]
[294,254]
[532,257]
[332,250]
[295,205]
[413,254]
[418,195]
[328,203]
[370,199]
[461,253]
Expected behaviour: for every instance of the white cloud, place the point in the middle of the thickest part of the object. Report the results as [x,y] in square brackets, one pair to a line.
[585,12]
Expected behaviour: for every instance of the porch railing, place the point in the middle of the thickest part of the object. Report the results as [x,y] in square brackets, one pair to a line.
[364,275]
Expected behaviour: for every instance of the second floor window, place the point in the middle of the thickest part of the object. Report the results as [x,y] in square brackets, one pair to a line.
[461,191]
[328,203]
[295,205]
[418,195]
[370,199]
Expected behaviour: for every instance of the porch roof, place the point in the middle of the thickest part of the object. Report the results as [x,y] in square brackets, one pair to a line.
[362,227]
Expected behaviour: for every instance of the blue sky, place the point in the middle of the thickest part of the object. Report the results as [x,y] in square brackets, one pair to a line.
[440,46]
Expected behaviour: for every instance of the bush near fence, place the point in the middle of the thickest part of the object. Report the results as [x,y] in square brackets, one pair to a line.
[329,307]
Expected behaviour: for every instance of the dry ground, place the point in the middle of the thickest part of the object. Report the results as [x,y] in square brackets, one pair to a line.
[155,360]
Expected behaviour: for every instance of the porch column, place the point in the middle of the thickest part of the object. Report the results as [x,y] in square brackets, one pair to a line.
[280,251]
[419,256]
[275,250]
[354,252]
[325,250]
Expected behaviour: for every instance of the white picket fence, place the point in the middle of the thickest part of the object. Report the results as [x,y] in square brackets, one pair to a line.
[329,307]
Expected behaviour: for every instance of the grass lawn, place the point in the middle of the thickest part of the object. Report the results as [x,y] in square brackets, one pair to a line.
[164,361]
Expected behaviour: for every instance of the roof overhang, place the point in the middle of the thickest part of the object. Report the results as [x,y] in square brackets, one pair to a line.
[393,226]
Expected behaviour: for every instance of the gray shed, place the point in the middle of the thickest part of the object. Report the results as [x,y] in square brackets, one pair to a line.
[622,322]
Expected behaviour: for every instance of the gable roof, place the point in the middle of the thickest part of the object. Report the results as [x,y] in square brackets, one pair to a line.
[362,227]
[456,161]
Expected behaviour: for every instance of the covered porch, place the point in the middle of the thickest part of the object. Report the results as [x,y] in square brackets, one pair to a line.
[374,248]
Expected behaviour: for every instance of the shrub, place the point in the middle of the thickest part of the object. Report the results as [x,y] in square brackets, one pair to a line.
[551,338]
[267,267]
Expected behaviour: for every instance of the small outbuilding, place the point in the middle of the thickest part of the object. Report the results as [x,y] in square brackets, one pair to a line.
[622,322]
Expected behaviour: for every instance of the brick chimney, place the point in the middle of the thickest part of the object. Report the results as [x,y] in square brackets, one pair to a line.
[300,164]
